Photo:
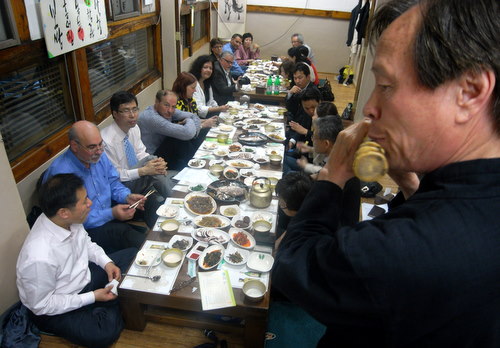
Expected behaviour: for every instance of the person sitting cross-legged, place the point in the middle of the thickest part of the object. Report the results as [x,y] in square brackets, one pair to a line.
[105,223]
[62,274]
[138,170]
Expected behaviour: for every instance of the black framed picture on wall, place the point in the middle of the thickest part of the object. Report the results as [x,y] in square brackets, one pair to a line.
[121,9]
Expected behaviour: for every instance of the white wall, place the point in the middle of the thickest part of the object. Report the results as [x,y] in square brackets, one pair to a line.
[13,232]
[326,37]
[330,5]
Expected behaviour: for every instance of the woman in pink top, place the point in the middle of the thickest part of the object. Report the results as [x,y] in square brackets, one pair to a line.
[247,52]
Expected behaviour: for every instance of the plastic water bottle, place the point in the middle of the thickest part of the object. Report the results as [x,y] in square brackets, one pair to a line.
[269,88]
[277,84]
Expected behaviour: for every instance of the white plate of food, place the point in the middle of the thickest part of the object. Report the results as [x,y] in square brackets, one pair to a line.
[181,242]
[260,262]
[246,173]
[229,210]
[209,145]
[211,257]
[199,203]
[252,127]
[226,128]
[271,151]
[257,121]
[220,152]
[276,137]
[241,155]
[248,149]
[241,238]
[216,221]
[261,159]
[167,210]
[240,164]
[234,147]
[148,257]
[262,215]
[217,161]
[210,235]
[235,256]
[197,188]
[241,221]
[196,163]
[259,107]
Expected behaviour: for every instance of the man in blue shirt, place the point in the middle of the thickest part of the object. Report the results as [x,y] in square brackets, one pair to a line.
[85,157]
[232,46]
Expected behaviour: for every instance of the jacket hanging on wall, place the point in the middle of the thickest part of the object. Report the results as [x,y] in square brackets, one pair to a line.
[358,23]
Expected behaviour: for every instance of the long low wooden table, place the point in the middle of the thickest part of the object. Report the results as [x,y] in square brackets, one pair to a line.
[270,99]
[183,307]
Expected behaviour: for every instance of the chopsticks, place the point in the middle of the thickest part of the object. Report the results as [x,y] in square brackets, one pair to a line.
[133,206]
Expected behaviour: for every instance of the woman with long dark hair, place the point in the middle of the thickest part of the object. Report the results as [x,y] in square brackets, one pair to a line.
[202,68]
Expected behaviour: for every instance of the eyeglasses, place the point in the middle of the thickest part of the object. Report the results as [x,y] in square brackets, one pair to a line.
[228,61]
[129,111]
[93,147]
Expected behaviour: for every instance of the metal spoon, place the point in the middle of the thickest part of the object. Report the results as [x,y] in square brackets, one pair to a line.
[152,278]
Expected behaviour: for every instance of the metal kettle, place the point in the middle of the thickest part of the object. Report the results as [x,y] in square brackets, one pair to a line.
[261,193]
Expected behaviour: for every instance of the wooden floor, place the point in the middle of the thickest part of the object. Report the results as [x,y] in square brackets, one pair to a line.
[169,336]
[343,94]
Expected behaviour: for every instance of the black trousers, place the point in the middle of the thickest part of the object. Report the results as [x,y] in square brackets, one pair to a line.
[177,153]
[116,235]
[98,324]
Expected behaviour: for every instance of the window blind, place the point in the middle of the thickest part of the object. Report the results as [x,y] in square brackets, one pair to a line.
[117,63]
[34,104]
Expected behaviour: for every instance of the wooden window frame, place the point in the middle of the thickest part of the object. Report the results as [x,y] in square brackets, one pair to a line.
[194,46]
[29,52]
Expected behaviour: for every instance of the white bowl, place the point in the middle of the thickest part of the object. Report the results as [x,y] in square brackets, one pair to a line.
[254,290]
[231,173]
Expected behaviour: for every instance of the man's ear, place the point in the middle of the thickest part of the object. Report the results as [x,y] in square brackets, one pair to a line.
[63,213]
[474,93]
[73,145]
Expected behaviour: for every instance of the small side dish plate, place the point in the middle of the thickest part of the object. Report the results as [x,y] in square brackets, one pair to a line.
[233,254]
[167,211]
[260,262]
[148,257]
[196,163]
[211,257]
[181,242]
[241,238]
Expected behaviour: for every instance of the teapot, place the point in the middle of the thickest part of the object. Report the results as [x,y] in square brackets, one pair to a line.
[261,193]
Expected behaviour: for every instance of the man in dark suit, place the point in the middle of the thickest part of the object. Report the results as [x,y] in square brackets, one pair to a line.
[426,274]
[223,84]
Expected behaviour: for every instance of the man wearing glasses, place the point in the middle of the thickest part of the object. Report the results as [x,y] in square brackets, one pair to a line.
[85,157]
[232,46]
[222,83]
[138,170]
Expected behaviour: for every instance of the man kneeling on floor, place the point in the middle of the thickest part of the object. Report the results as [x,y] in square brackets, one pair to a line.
[62,274]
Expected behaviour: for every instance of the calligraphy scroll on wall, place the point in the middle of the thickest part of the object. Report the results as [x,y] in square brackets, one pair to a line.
[71,24]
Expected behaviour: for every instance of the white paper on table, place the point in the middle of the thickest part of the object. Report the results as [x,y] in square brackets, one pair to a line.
[215,290]
[194,176]
[162,286]
[366,207]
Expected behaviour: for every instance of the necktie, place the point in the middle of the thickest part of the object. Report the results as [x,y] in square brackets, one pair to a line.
[129,152]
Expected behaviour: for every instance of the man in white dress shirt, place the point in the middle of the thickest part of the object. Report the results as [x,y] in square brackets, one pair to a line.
[138,170]
[62,274]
